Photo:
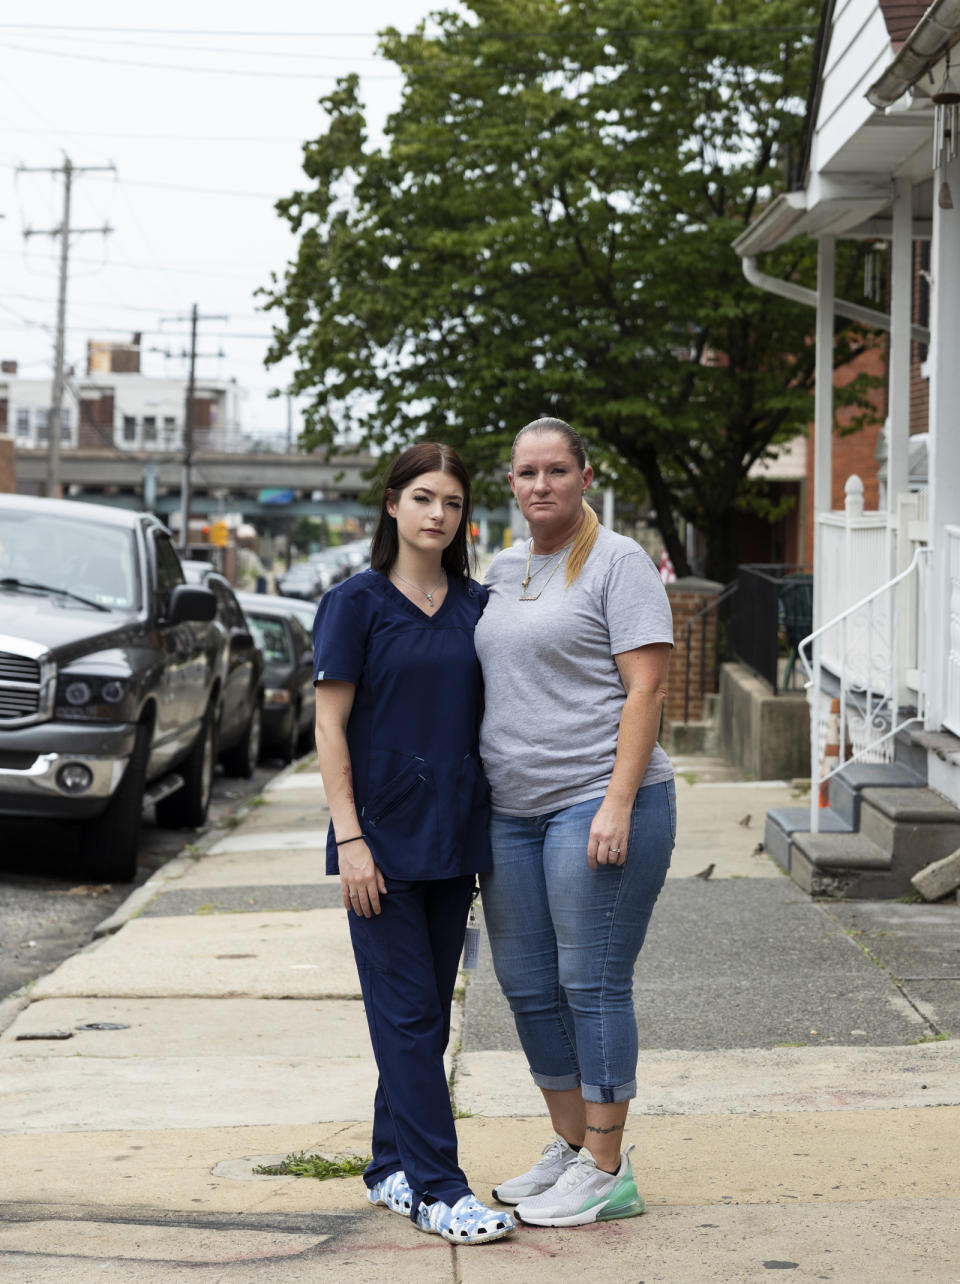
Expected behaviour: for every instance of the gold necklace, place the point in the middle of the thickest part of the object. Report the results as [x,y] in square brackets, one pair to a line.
[428,596]
[524,583]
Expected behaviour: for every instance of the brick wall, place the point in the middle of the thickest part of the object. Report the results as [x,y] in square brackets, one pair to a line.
[95,429]
[687,597]
[7,478]
[857,452]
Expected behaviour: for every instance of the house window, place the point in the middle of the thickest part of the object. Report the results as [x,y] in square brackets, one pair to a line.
[65,424]
[169,430]
[23,421]
[41,416]
[149,430]
[129,429]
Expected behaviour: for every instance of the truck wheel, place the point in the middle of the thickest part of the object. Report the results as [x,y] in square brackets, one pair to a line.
[188,806]
[306,740]
[288,750]
[109,844]
[242,759]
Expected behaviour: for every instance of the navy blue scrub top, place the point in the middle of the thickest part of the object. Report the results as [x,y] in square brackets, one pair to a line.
[419,788]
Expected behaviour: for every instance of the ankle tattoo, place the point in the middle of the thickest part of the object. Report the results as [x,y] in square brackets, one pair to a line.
[605,1131]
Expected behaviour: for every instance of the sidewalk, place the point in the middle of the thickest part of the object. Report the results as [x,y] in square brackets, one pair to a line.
[788,1119]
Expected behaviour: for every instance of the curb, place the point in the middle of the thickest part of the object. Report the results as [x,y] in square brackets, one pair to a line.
[174,868]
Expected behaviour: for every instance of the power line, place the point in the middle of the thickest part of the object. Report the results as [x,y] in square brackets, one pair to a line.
[374,35]
[182,67]
[168,138]
[146,267]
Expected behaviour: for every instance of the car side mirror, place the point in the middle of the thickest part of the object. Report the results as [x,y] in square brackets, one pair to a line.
[191,603]
[241,641]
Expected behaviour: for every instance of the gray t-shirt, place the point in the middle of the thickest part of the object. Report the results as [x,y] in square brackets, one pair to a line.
[553,693]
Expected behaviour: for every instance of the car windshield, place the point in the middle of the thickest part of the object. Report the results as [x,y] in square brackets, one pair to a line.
[270,636]
[59,554]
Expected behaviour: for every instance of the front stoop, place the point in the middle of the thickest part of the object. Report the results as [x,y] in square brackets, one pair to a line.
[902,829]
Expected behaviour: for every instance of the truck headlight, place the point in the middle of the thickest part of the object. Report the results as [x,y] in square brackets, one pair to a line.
[93,698]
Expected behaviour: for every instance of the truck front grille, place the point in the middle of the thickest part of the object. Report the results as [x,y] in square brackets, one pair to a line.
[26,687]
[18,668]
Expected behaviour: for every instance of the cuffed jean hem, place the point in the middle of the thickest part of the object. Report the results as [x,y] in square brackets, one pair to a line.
[606,1096]
[556,1082]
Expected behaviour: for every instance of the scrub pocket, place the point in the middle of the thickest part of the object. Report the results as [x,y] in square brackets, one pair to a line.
[473,796]
[404,810]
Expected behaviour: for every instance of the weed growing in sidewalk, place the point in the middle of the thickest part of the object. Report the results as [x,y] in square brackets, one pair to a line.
[322,1167]
[940,1037]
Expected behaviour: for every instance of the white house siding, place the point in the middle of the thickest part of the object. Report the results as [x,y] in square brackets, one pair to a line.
[859,52]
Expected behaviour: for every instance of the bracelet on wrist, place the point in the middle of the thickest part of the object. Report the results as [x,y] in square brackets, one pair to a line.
[356,839]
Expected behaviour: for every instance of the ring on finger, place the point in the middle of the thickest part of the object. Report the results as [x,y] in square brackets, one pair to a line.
[353,895]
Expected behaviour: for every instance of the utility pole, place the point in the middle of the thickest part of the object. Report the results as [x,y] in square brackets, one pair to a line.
[186,468]
[64,231]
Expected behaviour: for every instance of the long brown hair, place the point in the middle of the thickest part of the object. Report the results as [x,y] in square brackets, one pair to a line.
[424,457]
[590,526]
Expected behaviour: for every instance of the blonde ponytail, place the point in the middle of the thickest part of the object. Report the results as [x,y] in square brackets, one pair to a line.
[583,544]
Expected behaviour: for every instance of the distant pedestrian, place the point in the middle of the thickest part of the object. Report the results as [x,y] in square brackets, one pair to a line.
[574,643]
[398,711]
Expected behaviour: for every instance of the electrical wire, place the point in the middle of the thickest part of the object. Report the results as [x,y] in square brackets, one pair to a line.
[182,67]
[372,35]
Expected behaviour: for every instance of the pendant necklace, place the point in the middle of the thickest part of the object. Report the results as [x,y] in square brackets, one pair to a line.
[527,577]
[428,596]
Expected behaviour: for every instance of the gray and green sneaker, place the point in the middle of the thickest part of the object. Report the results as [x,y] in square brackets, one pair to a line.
[583,1194]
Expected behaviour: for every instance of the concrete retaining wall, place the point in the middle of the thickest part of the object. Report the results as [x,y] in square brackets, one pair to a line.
[766,736]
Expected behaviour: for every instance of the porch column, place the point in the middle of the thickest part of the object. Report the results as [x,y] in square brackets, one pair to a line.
[823,406]
[822,484]
[901,265]
[944,440]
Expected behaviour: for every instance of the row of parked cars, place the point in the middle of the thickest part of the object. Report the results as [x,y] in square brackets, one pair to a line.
[126,674]
[311,578]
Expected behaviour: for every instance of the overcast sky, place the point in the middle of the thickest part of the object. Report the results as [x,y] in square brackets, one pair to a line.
[204,125]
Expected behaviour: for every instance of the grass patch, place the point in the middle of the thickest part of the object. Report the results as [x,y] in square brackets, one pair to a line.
[689,776]
[463,1114]
[801,1044]
[940,1037]
[257,801]
[229,822]
[320,1167]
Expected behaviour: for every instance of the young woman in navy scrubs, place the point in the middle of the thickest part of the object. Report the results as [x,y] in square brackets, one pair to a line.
[398,713]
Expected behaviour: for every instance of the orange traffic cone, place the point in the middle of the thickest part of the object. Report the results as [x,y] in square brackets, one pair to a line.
[831,752]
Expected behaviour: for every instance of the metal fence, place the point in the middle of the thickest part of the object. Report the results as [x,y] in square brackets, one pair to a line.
[773,603]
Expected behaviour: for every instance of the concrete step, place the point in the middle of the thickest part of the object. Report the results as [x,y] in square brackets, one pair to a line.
[845,867]
[691,737]
[783,822]
[846,787]
[916,826]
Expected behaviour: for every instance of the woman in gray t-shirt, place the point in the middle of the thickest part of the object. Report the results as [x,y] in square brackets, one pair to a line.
[574,644]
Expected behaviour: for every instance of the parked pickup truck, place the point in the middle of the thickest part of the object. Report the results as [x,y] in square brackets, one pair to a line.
[109,677]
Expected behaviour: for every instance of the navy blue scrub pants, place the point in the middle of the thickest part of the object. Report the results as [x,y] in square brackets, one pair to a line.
[408,957]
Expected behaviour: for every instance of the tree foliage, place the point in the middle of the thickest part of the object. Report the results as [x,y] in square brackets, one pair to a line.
[547,229]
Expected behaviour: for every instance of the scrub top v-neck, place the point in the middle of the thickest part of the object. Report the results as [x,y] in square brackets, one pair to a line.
[418,785]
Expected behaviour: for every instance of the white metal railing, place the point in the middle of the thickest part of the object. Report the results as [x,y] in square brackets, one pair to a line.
[951,715]
[863,648]
[854,556]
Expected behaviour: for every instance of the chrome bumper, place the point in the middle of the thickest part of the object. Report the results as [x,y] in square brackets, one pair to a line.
[39,780]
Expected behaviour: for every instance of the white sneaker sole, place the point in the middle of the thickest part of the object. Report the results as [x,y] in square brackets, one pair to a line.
[583,1218]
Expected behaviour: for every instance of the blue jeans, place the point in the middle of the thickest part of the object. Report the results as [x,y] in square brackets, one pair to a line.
[565,938]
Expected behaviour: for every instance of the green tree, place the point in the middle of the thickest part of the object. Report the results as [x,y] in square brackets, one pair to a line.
[547,230]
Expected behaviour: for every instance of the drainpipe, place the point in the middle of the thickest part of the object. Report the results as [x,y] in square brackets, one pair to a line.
[800,294]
